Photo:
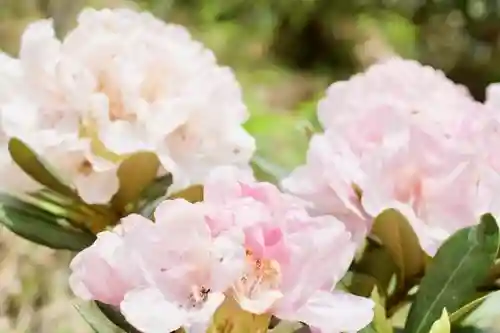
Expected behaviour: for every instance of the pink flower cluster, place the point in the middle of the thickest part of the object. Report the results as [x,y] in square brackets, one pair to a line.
[246,241]
[403,136]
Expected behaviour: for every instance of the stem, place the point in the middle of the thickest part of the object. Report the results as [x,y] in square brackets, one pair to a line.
[57,210]
[89,217]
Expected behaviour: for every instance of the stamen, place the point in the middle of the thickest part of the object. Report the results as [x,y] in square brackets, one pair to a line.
[198,296]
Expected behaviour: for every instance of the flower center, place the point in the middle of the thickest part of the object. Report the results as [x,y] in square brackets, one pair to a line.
[198,296]
[260,276]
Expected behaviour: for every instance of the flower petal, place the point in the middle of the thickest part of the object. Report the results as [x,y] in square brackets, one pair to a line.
[334,312]
[149,311]
[97,187]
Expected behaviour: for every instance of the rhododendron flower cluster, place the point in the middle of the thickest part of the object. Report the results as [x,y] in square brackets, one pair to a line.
[246,241]
[124,142]
[403,136]
[119,83]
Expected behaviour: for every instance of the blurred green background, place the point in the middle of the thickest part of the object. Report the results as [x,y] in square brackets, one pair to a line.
[285,53]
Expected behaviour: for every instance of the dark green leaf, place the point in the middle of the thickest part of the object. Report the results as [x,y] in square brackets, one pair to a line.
[36,168]
[471,329]
[116,317]
[157,188]
[486,315]
[41,227]
[148,209]
[465,310]
[460,265]
[153,195]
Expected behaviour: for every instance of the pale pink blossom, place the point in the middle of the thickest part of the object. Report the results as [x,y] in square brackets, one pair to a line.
[493,97]
[103,272]
[123,82]
[164,275]
[293,260]
[433,186]
[487,157]
[247,240]
[328,181]
[488,136]
[410,91]
[401,135]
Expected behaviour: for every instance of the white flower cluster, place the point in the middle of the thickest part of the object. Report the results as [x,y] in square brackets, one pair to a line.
[121,82]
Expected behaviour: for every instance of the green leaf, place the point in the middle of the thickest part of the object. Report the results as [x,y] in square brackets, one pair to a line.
[380,323]
[40,226]
[36,168]
[153,195]
[147,210]
[398,237]
[157,188]
[376,262]
[135,173]
[116,317]
[486,315]
[442,325]
[470,329]
[468,308]
[459,266]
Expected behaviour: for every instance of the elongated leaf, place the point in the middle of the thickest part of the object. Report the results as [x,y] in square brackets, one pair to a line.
[397,236]
[157,188]
[117,318]
[153,195]
[459,266]
[461,313]
[36,168]
[471,329]
[93,218]
[136,173]
[486,315]
[41,227]
[148,209]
